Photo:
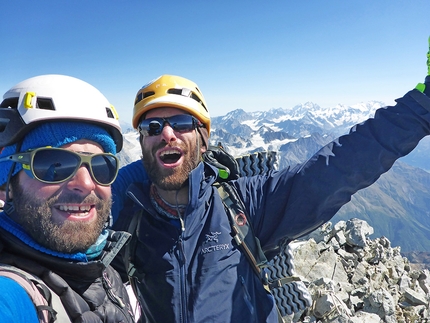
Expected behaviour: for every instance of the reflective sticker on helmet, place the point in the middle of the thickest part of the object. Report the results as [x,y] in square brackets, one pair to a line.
[115,114]
[27,99]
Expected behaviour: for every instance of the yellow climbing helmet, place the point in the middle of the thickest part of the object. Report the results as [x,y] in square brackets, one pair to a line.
[171,91]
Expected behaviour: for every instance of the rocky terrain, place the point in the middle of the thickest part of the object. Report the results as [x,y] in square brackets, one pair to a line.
[353,279]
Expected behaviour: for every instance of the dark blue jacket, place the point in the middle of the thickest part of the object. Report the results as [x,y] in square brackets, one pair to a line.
[199,275]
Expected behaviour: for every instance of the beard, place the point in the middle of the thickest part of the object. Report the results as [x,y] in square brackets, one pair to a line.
[171,179]
[35,216]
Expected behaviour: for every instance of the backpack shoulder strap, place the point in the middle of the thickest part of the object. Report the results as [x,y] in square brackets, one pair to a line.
[243,233]
[242,230]
[277,276]
[130,246]
[42,297]
[128,258]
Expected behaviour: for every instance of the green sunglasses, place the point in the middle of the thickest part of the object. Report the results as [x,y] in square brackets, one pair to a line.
[56,165]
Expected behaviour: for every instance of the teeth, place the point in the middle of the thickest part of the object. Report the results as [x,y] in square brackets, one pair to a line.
[169,152]
[74,208]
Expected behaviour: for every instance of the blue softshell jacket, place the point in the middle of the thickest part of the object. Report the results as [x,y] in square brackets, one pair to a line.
[198,274]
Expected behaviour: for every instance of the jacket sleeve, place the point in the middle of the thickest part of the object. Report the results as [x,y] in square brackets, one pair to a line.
[15,305]
[292,202]
[133,172]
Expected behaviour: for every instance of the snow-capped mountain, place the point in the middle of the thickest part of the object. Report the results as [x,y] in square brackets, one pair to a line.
[307,126]
[396,206]
[244,132]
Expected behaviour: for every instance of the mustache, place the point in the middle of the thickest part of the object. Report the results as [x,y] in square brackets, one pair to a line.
[65,198]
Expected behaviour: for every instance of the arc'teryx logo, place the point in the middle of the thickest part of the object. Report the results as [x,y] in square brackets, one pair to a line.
[213,237]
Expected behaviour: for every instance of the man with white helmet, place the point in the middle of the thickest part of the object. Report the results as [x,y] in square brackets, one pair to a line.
[60,136]
[187,266]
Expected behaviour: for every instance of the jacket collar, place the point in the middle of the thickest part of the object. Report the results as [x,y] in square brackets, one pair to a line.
[93,269]
[200,180]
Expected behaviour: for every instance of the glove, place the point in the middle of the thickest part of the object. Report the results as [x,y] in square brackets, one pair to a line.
[226,164]
[425,87]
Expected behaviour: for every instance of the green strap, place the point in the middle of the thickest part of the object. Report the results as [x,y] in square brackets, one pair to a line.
[223,173]
[421,86]
[428,59]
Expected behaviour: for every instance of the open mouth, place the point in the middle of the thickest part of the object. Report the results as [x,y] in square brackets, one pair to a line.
[170,156]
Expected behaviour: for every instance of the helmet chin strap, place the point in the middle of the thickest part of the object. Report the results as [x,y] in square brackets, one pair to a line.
[198,143]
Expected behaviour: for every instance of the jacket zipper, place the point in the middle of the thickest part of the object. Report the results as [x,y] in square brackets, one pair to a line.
[183,280]
[113,297]
[182,260]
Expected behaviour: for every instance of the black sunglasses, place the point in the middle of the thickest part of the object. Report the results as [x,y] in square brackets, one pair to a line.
[180,123]
[56,165]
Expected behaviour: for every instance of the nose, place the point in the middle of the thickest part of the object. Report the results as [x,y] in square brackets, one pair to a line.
[168,134]
[82,182]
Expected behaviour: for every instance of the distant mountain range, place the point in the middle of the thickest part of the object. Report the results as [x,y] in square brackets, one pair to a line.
[396,206]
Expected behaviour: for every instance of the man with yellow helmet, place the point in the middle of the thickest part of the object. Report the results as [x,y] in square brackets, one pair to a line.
[188,268]
[171,91]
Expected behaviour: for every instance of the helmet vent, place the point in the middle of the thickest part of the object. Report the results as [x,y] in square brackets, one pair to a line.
[175,91]
[188,93]
[109,113]
[142,96]
[10,103]
[45,104]
[195,97]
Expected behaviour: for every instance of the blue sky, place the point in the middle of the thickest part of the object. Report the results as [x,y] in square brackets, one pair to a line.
[252,55]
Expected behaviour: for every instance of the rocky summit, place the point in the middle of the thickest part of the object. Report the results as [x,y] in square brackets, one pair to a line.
[353,279]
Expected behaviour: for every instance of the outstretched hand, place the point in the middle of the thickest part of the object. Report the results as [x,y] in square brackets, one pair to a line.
[425,87]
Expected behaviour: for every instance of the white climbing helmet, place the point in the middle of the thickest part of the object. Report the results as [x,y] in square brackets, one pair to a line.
[47,98]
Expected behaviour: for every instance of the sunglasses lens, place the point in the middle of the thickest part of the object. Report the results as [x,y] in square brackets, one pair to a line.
[54,165]
[183,122]
[105,168]
[151,127]
[154,126]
